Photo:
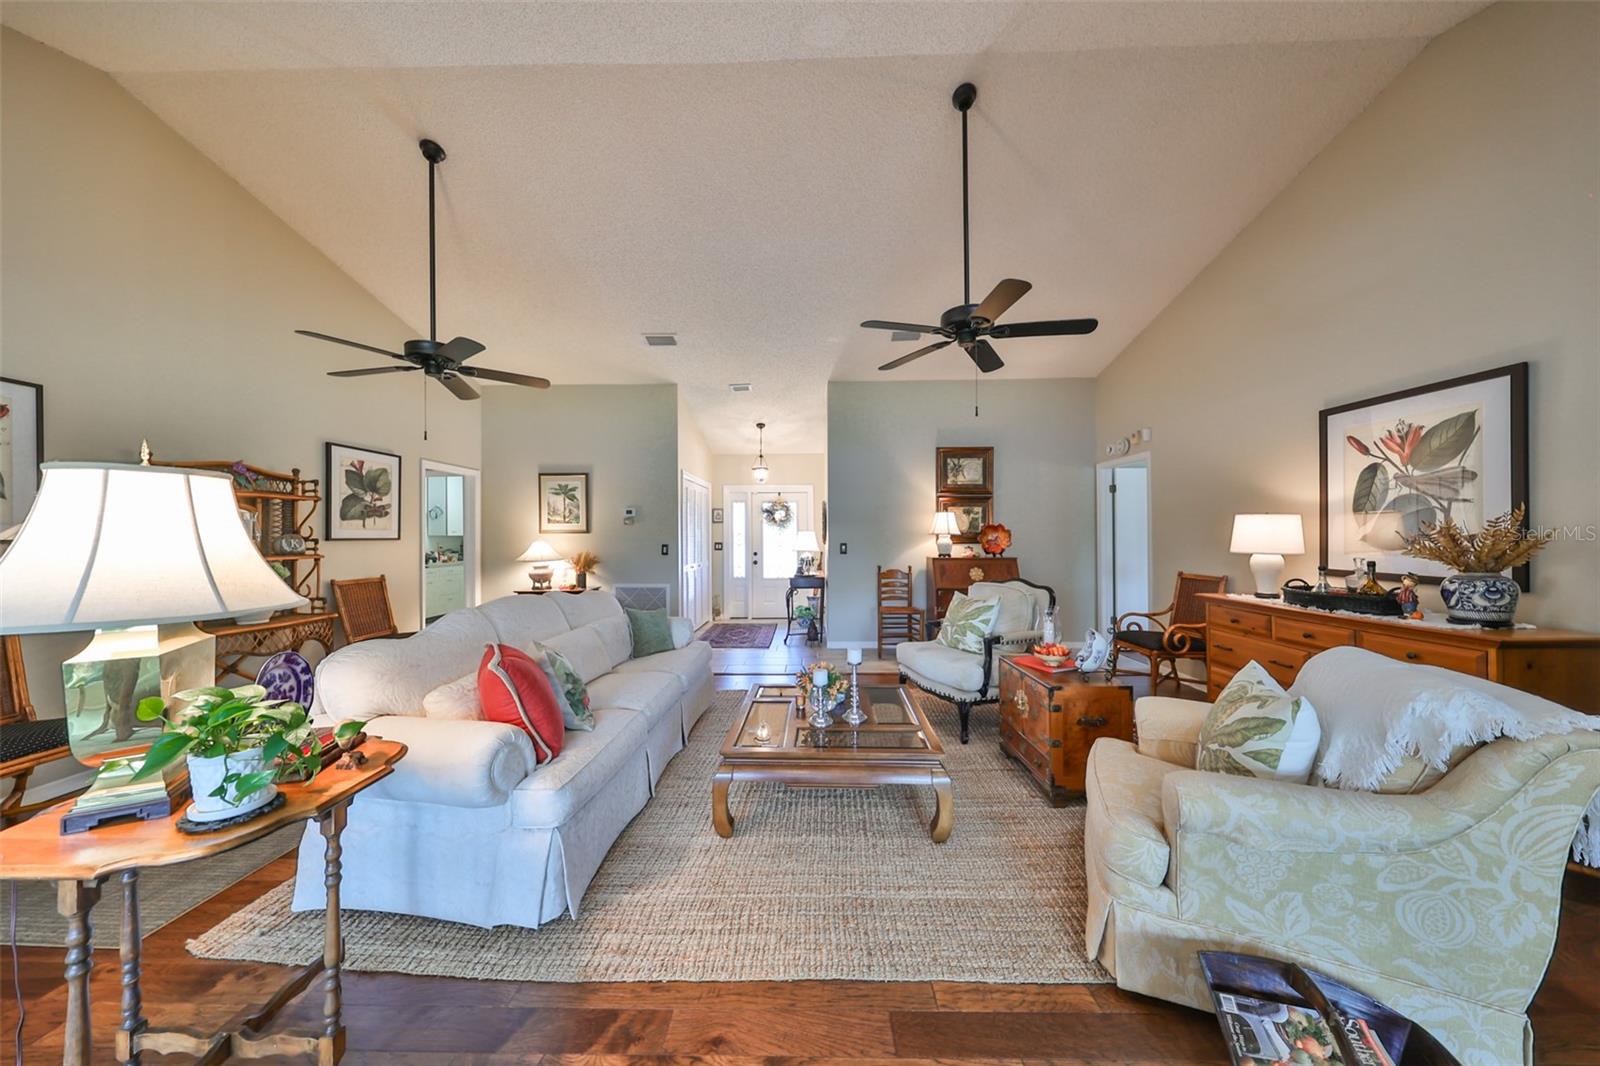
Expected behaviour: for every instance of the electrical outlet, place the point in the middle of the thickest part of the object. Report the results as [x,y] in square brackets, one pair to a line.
[844,549]
[666,549]
[716,546]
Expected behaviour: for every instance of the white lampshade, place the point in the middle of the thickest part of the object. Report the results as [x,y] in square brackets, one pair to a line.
[945,524]
[540,552]
[806,541]
[109,545]
[1268,534]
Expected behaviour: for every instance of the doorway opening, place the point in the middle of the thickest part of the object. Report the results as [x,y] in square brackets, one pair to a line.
[450,539]
[1123,542]
[694,549]
[761,555]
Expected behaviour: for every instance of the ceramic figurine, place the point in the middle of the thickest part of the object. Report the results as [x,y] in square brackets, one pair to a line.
[1406,596]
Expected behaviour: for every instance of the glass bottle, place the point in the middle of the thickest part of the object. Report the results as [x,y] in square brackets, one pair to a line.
[1322,580]
[1370,586]
[1353,580]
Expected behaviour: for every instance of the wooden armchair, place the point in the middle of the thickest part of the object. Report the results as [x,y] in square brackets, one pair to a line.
[1165,636]
[364,609]
[25,740]
[898,619]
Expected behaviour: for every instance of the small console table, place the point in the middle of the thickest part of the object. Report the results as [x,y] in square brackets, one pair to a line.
[806,583]
[81,864]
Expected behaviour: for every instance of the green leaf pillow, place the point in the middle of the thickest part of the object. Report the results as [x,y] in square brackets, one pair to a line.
[967,622]
[1256,729]
[569,686]
[652,632]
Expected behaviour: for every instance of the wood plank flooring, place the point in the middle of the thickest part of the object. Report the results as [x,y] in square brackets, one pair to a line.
[400,1020]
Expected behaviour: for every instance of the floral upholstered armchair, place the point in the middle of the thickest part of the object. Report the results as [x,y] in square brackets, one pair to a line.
[1443,903]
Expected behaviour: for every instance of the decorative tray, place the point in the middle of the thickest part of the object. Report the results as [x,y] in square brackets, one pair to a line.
[1298,593]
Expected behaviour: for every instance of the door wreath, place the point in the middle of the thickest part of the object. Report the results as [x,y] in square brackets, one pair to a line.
[778,513]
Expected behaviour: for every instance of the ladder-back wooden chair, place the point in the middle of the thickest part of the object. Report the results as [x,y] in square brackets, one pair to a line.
[899,619]
[364,609]
[1165,636]
[25,740]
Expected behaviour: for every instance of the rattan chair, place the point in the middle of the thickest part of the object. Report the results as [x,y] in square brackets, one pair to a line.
[364,610]
[899,620]
[1165,636]
[25,740]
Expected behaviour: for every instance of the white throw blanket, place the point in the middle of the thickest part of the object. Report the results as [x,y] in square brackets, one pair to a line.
[1389,709]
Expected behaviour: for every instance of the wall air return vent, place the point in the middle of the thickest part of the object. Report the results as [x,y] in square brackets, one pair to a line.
[739,386]
[661,340]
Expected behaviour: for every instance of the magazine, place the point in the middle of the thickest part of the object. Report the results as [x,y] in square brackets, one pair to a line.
[1261,1032]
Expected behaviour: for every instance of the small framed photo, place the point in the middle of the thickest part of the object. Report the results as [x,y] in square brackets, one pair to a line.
[972,514]
[965,471]
[716,516]
[21,447]
[363,493]
[563,503]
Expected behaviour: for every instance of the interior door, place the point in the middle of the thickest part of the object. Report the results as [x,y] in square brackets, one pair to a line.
[695,548]
[1124,538]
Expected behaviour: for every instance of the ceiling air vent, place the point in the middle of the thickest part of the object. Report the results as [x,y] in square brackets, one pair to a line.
[904,335]
[661,340]
[739,386]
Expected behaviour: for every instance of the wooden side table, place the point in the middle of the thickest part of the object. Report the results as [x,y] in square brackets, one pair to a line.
[81,864]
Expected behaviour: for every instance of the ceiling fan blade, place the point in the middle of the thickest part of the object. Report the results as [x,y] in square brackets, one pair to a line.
[909,327]
[350,344]
[1066,327]
[506,376]
[918,354]
[462,390]
[1001,297]
[983,353]
[371,370]
[460,350]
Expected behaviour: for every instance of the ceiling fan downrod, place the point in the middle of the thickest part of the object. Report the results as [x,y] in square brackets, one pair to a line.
[433,152]
[963,98]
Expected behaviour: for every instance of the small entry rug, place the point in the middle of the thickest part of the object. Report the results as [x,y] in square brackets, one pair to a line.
[740,635]
[816,884]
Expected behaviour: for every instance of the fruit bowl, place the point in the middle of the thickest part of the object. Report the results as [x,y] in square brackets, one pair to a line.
[1052,654]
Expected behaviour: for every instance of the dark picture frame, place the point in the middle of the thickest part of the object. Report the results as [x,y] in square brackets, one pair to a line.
[953,475]
[579,498]
[343,498]
[19,490]
[1476,456]
[959,504]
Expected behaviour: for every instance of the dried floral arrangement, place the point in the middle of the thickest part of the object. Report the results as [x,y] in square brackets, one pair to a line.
[585,562]
[1501,544]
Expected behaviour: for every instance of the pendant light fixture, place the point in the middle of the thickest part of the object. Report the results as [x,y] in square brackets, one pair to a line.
[759,471]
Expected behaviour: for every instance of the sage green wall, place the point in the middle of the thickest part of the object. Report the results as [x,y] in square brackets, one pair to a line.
[625,437]
[881,441]
[1452,227]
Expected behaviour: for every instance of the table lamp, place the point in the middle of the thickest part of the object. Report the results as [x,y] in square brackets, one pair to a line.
[945,526]
[1267,538]
[807,547]
[542,555]
[138,554]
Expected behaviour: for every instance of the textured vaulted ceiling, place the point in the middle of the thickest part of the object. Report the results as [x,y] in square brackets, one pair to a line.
[755,177]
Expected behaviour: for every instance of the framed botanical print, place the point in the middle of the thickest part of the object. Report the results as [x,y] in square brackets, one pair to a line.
[965,471]
[972,514]
[1395,463]
[563,503]
[363,488]
[21,447]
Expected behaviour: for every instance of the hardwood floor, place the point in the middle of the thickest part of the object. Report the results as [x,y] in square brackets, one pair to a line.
[400,1020]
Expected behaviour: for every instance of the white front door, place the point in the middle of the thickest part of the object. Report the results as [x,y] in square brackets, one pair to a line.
[761,554]
[694,549]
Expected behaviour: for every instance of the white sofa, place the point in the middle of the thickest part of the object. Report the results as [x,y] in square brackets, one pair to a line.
[467,828]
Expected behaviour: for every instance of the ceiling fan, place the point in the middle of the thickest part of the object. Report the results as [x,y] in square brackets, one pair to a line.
[969,324]
[443,363]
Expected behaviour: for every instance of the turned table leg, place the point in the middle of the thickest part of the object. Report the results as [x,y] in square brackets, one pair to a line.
[75,899]
[133,1022]
[721,819]
[330,1046]
[944,815]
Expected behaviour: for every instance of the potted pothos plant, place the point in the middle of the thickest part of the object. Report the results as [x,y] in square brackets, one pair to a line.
[239,744]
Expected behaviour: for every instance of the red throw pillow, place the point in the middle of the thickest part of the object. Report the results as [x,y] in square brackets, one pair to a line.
[513,689]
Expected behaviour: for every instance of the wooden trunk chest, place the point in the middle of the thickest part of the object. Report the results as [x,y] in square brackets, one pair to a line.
[1048,721]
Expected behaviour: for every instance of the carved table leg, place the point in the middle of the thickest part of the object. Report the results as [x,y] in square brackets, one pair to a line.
[133,1022]
[75,899]
[721,820]
[944,815]
[330,1047]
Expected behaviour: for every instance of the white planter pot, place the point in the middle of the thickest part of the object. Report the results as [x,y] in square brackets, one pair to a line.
[207,772]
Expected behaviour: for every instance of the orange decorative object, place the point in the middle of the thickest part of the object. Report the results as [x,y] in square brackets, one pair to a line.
[994,538]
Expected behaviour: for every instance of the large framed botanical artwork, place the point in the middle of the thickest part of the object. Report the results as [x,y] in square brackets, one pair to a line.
[563,503]
[363,497]
[1396,463]
[21,447]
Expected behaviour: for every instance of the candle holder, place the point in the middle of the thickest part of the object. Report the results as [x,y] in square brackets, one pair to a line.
[820,718]
[855,716]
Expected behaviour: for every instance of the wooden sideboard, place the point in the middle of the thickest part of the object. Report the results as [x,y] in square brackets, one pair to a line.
[949,574]
[1557,664]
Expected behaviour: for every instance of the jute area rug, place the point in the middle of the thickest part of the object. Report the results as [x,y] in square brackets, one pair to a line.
[835,884]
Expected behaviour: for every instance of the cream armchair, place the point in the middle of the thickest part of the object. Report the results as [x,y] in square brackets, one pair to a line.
[1442,903]
[968,679]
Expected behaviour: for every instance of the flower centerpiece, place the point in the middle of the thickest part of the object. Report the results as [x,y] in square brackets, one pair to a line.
[1479,593]
[837,688]
[239,745]
[583,564]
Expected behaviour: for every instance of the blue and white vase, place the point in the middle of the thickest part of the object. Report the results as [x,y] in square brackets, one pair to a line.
[1479,599]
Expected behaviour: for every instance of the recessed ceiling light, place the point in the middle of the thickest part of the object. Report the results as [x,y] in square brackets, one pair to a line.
[661,340]
[739,386]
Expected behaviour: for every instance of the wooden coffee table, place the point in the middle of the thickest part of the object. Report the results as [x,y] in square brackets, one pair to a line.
[895,746]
